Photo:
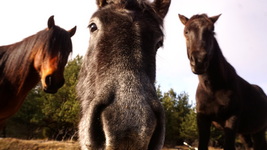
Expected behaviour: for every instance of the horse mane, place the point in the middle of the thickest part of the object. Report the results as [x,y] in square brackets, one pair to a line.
[227,71]
[126,2]
[16,59]
[198,16]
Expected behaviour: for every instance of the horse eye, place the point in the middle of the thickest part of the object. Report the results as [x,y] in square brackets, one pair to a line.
[186,32]
[92,27]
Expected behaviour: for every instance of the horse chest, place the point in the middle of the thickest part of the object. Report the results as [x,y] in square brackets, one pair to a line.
[213,102]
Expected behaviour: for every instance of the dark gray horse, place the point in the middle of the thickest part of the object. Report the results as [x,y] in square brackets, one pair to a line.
[120,108]
[222,96]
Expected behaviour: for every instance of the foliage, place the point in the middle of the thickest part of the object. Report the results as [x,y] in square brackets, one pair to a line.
[188,128]
[176,109]
[181,125]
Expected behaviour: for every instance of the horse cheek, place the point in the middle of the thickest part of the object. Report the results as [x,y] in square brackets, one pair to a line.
[37,62]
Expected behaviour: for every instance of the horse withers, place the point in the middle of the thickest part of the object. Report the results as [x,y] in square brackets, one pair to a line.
[120,108]
[41,56]
[222,96]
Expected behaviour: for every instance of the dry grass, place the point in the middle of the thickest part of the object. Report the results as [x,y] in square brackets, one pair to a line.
[186,148]
[18,144]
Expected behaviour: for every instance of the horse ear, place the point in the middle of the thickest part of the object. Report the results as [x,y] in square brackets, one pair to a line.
[183,19]
[72,31]
[161,7]
[215,18]
[51,22]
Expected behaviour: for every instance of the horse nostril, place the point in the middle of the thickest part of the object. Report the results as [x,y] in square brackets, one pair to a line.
[48,80]
[192,60]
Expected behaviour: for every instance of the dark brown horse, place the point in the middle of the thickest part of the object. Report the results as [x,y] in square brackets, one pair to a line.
[222,96]
[120,108]
[42,56]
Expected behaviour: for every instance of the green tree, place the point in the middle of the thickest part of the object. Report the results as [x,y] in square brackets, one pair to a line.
[188,130]
[176,109]
[181,125]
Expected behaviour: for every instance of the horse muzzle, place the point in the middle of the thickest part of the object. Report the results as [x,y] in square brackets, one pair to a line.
[199,68]
[198,62]
[52,85]
[197,71]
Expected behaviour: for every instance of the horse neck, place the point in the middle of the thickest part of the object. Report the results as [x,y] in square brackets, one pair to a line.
[17,65]
[219,72]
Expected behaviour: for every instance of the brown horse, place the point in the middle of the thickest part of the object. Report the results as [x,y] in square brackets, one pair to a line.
[222,96]
[42,56]
[120,108]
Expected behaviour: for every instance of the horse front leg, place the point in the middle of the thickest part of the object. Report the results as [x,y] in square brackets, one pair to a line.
[246,139]
[230,133]
[259,140]
[203,123]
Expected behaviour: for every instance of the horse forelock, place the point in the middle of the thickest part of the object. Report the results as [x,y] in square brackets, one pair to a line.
[58,42]
[127,3]
[143,6]
[199,16]
[199,21]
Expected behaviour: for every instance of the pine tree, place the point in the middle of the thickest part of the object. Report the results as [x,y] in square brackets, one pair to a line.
[176,109]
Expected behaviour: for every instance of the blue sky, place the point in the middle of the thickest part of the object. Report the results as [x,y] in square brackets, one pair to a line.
[241,32]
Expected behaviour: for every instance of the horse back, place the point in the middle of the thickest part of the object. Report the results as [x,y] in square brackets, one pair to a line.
[254,108]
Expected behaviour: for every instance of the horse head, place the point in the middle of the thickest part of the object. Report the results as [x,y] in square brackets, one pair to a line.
[52,56]
[117,26]
[119,72]
[199,35]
